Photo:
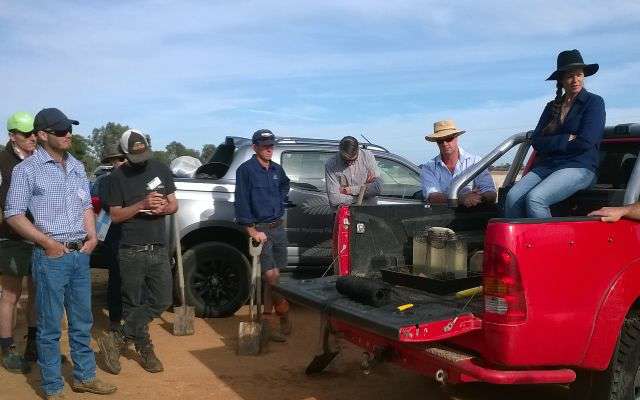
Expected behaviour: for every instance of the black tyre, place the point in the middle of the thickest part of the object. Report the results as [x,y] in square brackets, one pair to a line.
[216,279]
[621,381]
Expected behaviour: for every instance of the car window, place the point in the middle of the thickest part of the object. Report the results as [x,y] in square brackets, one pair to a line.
[306,168]
[398,179]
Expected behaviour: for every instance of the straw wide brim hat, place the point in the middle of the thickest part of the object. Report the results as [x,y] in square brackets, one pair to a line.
[443,130]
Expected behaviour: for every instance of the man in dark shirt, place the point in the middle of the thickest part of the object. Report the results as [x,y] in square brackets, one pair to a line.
[16,253]
[262,188]
[140,194]
[115,157]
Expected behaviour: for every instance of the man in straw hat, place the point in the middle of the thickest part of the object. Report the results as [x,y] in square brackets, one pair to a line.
[437,174]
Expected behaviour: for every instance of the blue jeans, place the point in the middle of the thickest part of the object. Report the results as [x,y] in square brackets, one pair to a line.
[532,195]
[63,283]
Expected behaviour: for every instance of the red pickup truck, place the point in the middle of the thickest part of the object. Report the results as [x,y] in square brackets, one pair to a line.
[561,298]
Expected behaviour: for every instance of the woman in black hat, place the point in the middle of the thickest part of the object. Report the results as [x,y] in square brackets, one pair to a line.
[566,140]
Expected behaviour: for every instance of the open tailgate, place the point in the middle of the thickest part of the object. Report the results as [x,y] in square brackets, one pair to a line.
[432,317]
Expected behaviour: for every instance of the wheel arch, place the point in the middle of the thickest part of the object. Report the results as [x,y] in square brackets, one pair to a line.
[214,231]
[622,298]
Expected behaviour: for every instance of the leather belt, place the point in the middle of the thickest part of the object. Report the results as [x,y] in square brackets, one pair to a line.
[75,245]
[142,247]
[273,224]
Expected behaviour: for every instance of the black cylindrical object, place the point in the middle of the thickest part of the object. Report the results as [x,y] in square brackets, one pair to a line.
[372,292]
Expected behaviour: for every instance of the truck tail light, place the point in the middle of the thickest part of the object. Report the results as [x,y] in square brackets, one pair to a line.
[341,250]
[96,204]
[504,300]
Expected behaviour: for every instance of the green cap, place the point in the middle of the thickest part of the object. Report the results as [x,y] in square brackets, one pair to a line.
[20,121]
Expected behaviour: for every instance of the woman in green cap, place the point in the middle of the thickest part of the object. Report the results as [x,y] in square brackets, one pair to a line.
[16,253]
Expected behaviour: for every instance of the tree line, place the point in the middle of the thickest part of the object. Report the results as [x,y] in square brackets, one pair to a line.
[90,150]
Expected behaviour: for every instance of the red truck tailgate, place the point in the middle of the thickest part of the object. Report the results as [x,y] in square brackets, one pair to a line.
[432,317]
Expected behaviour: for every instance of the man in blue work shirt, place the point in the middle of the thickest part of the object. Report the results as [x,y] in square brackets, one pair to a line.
[52,185]
[262,189]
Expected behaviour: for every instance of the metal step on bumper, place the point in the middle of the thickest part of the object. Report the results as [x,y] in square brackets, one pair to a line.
[457,366]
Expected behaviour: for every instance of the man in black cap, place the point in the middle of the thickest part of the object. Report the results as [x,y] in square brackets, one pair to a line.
[114,157]
[140,194]
[351,171]
[52,185]
[262,189]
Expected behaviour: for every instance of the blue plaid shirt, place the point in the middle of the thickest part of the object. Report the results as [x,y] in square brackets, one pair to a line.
[56,198]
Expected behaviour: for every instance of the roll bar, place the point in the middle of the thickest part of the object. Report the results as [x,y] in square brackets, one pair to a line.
[470,174]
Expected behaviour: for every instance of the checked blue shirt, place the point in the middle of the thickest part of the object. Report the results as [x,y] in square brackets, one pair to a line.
[57,198]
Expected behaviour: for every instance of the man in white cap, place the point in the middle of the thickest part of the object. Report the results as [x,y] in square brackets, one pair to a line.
[140,194]
[438,173]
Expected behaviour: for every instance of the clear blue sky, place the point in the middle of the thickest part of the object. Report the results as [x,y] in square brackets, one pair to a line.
[196,71]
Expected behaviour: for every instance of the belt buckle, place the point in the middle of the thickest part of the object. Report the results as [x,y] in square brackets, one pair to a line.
[73,246]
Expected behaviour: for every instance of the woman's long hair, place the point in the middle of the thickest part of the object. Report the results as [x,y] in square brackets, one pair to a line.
[556,107]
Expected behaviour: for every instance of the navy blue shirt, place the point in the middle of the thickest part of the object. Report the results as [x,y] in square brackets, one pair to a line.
[586,120]
[261,193]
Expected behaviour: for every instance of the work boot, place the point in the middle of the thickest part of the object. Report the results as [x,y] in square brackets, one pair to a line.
[110,344]
[14,362]
[148,359]
[114,325]
[275,334]
[30,350]
[95,386]
[285,324]
[57,396]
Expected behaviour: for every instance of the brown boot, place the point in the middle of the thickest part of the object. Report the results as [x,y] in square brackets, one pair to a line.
[273,328]
[95,386]
[57,396]
[285,324]
[148,359]
[110,343]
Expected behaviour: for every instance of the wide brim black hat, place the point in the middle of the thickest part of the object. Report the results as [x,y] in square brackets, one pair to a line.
[572,59]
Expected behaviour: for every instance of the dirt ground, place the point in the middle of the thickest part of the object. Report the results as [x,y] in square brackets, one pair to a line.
[205,366]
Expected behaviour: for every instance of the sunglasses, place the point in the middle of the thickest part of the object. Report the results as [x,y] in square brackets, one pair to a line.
[445,140]
[25,134]
[61,133]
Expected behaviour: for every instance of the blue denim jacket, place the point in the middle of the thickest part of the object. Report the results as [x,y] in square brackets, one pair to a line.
[261,193]
[586,120]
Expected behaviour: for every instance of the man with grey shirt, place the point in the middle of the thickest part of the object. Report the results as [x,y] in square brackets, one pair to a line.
[351,170]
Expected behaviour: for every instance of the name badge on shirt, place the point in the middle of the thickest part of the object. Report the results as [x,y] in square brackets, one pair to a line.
[83,194]
[154,183]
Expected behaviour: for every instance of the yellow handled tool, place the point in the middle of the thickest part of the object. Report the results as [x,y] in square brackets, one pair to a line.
[469,292]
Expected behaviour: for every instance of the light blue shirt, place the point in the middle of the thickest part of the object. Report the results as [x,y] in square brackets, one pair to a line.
[436,177]
[57,197]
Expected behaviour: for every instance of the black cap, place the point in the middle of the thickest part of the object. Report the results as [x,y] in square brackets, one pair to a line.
[135,146]
[263,137]
[349,148]
[52,119]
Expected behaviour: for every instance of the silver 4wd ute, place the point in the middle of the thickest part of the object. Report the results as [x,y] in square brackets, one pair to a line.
[215,252]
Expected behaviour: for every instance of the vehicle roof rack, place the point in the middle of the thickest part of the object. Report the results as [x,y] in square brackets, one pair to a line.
[237,140]
[622,130]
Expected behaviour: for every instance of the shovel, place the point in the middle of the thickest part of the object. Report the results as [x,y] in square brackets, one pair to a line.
[184,314]
[252,335]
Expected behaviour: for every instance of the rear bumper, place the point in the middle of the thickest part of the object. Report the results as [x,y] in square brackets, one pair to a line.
[452,366]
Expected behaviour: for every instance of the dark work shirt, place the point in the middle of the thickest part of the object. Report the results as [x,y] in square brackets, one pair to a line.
[261,193]
[100,188]
[127,186]
[8,160]
[586,120]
